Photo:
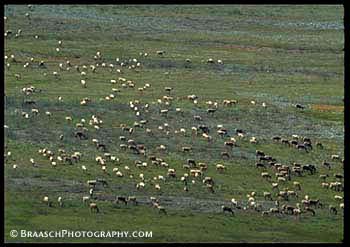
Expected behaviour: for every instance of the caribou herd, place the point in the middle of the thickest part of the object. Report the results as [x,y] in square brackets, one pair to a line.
[286,194]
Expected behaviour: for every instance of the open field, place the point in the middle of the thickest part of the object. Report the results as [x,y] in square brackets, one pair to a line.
[278,56]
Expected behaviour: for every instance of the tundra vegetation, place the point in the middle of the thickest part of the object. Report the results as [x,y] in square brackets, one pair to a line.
[198,123]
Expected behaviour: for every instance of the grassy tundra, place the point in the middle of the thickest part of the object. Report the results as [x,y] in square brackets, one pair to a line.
[277,55]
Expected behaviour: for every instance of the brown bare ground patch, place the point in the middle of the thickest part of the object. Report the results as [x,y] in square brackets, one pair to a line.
[337,108]
[240,47]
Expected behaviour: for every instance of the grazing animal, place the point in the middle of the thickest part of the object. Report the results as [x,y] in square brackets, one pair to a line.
[121,199]
[274,210]
[297,171]
[211,111]
[210,60]
[92,183]
[191,162]
[301,147]
[265,213]
[47,201]
[203,166]
[220,167]
[230,144]
[94,208]
[308,209]
[161,209]
[86,199]
[227,209]
[205,129]
[292,193]
[132,199]
[186,149]
[299,106]
[337,186]
[297,185]
[198,118]
[324,176]
[326,164]
[339,176]
[210,188]
[234,202]
[319,145]
[308,145]
[283,195]
[338,198]
[306,139]
[315,203]
[274,185]
[225,155]
[285,141]
[310,168]
[222,132]
[297,212]
[325,185]
[276,138]
[29,102]
[80,135]
[294,142]
[102,147]
[333,209]
[60,202]
[171,173]
[208,180]
[266,175]
[259,165]
[288,209]
[267,196]
[335,157]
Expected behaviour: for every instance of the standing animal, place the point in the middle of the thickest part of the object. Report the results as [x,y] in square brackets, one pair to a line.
[161,209]
[267,196]
[308,209]
[285,141]
[326,164]
[297,185]
[225,155]
[315,203]
[94,208]
[310,168]
[319,145]
[60,202]
[302,147]
[227,209]
[333,209]
[121,199]
[276,138]
[132,199]
[324,176]
[299,106]
[47,201]
[191,162]
[259,165]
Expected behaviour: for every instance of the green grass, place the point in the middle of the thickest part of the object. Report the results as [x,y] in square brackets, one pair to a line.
[280,55]
[38,217]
